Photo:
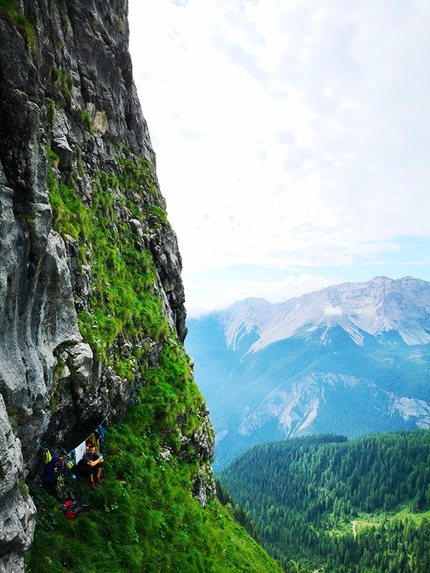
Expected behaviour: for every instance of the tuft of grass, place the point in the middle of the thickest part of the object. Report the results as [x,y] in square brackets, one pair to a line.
[85,118]
[9,10]
[50,111]
[65,83]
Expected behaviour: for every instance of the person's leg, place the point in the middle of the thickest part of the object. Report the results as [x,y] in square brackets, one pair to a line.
[99,468]
[91,476]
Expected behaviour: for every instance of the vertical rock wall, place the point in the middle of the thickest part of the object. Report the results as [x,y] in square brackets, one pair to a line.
[69,112]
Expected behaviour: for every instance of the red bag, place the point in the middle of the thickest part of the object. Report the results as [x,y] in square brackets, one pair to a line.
[73,506]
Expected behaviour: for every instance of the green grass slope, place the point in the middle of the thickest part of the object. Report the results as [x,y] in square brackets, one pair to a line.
[144,518]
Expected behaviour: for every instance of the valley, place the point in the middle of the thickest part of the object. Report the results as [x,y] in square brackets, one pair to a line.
[352,359]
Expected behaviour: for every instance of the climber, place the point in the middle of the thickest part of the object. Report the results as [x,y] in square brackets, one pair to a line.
[90,461]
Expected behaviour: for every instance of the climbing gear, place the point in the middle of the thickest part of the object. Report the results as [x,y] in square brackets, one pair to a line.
[50,465]
[100,433]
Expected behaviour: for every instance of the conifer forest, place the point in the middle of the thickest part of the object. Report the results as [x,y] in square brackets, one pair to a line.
[336,506]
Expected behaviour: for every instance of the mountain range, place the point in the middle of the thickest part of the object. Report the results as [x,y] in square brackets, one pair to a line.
[350,359]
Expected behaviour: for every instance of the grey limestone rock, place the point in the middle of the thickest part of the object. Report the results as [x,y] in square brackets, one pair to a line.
[17,510]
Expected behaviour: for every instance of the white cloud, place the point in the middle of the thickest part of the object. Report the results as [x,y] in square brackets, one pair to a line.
[222,290]
[300,129]
[333,311]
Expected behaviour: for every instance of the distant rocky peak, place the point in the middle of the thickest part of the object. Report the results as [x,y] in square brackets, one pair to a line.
[375,307]
[246,316]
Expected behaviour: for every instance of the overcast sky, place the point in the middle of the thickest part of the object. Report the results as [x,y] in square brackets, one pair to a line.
[292,140]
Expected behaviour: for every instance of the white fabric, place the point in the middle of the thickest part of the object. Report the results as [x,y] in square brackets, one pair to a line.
[80,451]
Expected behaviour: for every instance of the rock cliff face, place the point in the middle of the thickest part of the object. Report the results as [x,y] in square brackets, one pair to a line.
[90,280]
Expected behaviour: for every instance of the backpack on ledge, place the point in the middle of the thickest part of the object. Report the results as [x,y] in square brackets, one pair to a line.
[73,506]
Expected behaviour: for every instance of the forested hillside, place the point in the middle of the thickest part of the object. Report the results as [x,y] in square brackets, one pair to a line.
[339,506]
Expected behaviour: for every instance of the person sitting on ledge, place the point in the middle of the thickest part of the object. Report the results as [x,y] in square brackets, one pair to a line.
[92,463]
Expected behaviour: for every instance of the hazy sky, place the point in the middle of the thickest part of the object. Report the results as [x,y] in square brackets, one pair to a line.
[292,140]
